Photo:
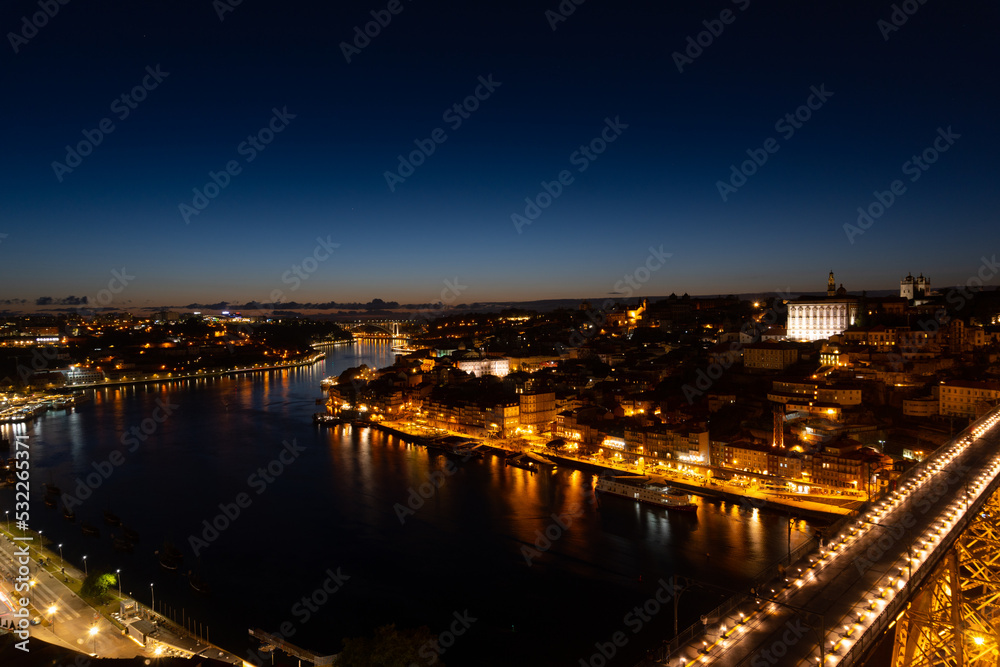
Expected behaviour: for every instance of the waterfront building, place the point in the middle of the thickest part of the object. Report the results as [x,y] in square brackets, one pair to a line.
[537,411]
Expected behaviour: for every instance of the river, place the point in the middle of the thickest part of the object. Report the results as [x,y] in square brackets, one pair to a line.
[394,533]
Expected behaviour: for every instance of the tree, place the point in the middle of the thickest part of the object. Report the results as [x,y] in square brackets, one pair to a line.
[96,584]
[390,647]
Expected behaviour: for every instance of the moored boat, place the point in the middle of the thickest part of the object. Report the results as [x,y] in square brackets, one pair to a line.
[121,544]
[90,529]
[170,557]
[521,461]
[650,493]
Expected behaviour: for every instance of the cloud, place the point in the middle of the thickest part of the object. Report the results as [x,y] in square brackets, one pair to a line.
[67,301]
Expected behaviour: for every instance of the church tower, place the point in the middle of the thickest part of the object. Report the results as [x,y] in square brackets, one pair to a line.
[831,286]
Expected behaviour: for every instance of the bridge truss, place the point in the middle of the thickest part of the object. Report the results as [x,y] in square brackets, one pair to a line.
[954,620]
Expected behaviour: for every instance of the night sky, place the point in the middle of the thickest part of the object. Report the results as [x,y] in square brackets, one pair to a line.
[212,75]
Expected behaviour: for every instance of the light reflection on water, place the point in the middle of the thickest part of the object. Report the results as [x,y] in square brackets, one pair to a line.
[338,506]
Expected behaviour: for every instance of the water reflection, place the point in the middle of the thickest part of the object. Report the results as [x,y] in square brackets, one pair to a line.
[462,546]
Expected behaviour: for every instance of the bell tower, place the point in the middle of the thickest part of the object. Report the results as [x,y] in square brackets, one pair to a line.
[831,286]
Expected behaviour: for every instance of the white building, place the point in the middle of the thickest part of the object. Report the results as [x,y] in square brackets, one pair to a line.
[479,367]
[915,288]
[818,319]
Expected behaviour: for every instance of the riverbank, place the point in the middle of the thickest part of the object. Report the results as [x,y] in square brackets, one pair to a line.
[63,615]
[309,361]
[813,506]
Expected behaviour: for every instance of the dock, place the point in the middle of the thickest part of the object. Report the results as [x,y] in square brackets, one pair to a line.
[271,642]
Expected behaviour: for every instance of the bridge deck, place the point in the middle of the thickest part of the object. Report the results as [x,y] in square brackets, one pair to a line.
[852,591]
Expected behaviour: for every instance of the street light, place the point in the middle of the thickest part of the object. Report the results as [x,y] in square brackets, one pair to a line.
[119,573]
[152,595]
[86,573]
[52,618]
[61,561]
[6,513]
[93,633]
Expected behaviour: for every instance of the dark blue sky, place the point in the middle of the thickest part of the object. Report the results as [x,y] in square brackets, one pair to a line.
[323,175]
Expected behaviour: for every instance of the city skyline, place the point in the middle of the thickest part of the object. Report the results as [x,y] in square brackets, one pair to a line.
[239,152]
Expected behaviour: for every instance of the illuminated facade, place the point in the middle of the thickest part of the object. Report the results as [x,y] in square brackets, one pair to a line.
[915,288]
[479,367]
[818,319]
[961,398]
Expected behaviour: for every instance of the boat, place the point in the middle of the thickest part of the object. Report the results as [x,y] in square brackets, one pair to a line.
[522,462]
[122,544]
[69,514]
[650,493]
[170,557]
[52,490]
[325,420]
[130,534]
[198,584]
[111,519]
[50,501]
[538,458]
[89,529]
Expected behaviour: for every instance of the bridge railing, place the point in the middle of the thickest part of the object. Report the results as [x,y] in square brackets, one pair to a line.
[860,648]
[892,609]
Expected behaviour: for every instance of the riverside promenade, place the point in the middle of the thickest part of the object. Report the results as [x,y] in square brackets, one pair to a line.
[59,615]
[827,504]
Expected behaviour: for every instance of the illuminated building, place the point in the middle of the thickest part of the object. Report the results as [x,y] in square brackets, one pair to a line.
[812,319]
[963,398]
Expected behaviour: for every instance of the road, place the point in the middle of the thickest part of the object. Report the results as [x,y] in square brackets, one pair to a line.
[72,620]
[835,598]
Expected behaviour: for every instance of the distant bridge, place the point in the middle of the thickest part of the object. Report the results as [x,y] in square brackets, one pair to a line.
[390,328]
[923,563]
